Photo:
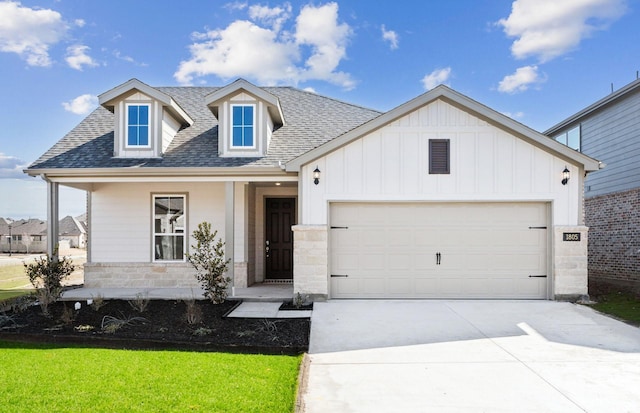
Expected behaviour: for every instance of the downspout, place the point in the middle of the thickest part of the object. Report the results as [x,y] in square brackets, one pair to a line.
[52,218]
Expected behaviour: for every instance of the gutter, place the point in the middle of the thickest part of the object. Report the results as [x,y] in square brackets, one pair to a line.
[162,174]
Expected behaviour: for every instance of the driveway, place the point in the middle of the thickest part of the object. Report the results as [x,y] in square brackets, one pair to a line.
[469,356]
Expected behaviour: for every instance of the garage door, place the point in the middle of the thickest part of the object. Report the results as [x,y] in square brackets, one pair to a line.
[434,250]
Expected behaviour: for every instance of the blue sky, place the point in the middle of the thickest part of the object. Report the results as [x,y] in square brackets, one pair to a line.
[537,61]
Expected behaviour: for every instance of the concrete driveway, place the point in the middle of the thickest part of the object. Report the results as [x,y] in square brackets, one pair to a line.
[469,356]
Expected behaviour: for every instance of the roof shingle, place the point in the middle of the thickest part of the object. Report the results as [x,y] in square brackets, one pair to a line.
[311,120]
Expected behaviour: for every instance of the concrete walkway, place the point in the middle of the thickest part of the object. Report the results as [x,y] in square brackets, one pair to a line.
[469,356]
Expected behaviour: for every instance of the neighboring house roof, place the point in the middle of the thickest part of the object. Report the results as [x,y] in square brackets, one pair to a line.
[29,226]
[311,120]
[70,226]
[591,109]
[461,101]
[67,226]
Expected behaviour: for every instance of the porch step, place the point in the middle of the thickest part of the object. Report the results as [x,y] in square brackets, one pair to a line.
[265,310]
[264,293]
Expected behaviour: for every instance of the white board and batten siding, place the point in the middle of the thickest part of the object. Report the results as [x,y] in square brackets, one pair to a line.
[487,164]
[121,216]
[489,220]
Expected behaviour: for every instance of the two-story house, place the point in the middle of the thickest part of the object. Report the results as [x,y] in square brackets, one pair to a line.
[441,197]
[609,130]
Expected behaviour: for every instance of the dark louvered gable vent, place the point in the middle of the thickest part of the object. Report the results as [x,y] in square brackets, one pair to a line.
[439,156]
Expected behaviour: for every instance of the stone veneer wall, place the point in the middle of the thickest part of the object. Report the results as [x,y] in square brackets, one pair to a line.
[139,275]
[570,264]
[614,240]
[310,259]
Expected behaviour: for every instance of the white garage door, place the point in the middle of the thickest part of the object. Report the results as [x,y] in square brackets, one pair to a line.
[435,250]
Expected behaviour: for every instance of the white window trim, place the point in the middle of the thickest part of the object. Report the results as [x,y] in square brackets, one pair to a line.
[185,232]
[126,125]
[255,126]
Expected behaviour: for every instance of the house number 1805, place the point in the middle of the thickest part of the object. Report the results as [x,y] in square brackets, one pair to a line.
[571,236]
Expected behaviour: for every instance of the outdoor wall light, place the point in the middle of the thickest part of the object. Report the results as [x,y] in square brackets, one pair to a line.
[316,176]
[565,176]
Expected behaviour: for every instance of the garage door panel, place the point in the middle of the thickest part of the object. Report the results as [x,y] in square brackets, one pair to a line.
[487,250]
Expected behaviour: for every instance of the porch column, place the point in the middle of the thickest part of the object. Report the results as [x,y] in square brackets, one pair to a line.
[52,219]
[229,229]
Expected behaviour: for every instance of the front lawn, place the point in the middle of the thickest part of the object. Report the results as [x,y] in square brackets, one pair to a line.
[7,294]
[621,305]
[12,276]
[62,379]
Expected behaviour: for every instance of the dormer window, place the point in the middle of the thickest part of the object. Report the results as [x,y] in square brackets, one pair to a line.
[137,125]
[247,117]
[243,126]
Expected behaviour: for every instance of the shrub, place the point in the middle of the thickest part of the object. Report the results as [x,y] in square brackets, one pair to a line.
[112,324]
[193,313]
[67,315]
[208,260]
[139,303]
[46,275]
[97,302]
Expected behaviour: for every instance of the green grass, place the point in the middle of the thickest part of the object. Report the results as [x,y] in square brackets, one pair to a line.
[62,379]
[620,305]
[7,294]
[12,276]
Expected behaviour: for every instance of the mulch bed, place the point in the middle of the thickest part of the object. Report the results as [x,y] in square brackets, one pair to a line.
[162,325]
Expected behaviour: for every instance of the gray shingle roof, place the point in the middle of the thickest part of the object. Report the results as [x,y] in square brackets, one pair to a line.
[311,120]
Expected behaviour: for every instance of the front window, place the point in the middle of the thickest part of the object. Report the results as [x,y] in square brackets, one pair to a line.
[571,138]
[137,125]
[242,126]
[169,220]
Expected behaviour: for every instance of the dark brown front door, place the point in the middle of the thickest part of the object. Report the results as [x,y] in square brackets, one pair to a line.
[280,216]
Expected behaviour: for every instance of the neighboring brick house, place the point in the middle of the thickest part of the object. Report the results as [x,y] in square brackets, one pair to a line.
[609,130]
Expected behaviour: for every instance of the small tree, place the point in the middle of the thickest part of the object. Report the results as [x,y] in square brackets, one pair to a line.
[46,275]
[208,260]
[26,240]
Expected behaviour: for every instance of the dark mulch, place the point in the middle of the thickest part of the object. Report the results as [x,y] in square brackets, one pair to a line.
[164,326]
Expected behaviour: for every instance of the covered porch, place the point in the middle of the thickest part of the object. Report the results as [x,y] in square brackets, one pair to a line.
[238,208]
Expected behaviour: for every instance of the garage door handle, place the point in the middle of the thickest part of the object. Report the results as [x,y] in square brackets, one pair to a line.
[339,275]
[438,258]
[537,276]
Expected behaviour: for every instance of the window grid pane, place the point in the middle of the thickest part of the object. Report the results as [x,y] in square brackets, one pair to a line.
[242,126]
[169,228]
[138,125]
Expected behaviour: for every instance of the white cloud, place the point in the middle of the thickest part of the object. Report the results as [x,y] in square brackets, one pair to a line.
[515,115]
[11,167]
[77,57]
[274,17]
[391,37]
[81,105]
[546,29]
[310,50]
[30,32]
[120,56]
[79,22]
[437,77]
[318,27]
[310,90]
[236,5]
[521,80]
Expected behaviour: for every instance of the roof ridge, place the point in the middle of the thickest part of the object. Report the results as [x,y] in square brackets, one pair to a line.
[297,89]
